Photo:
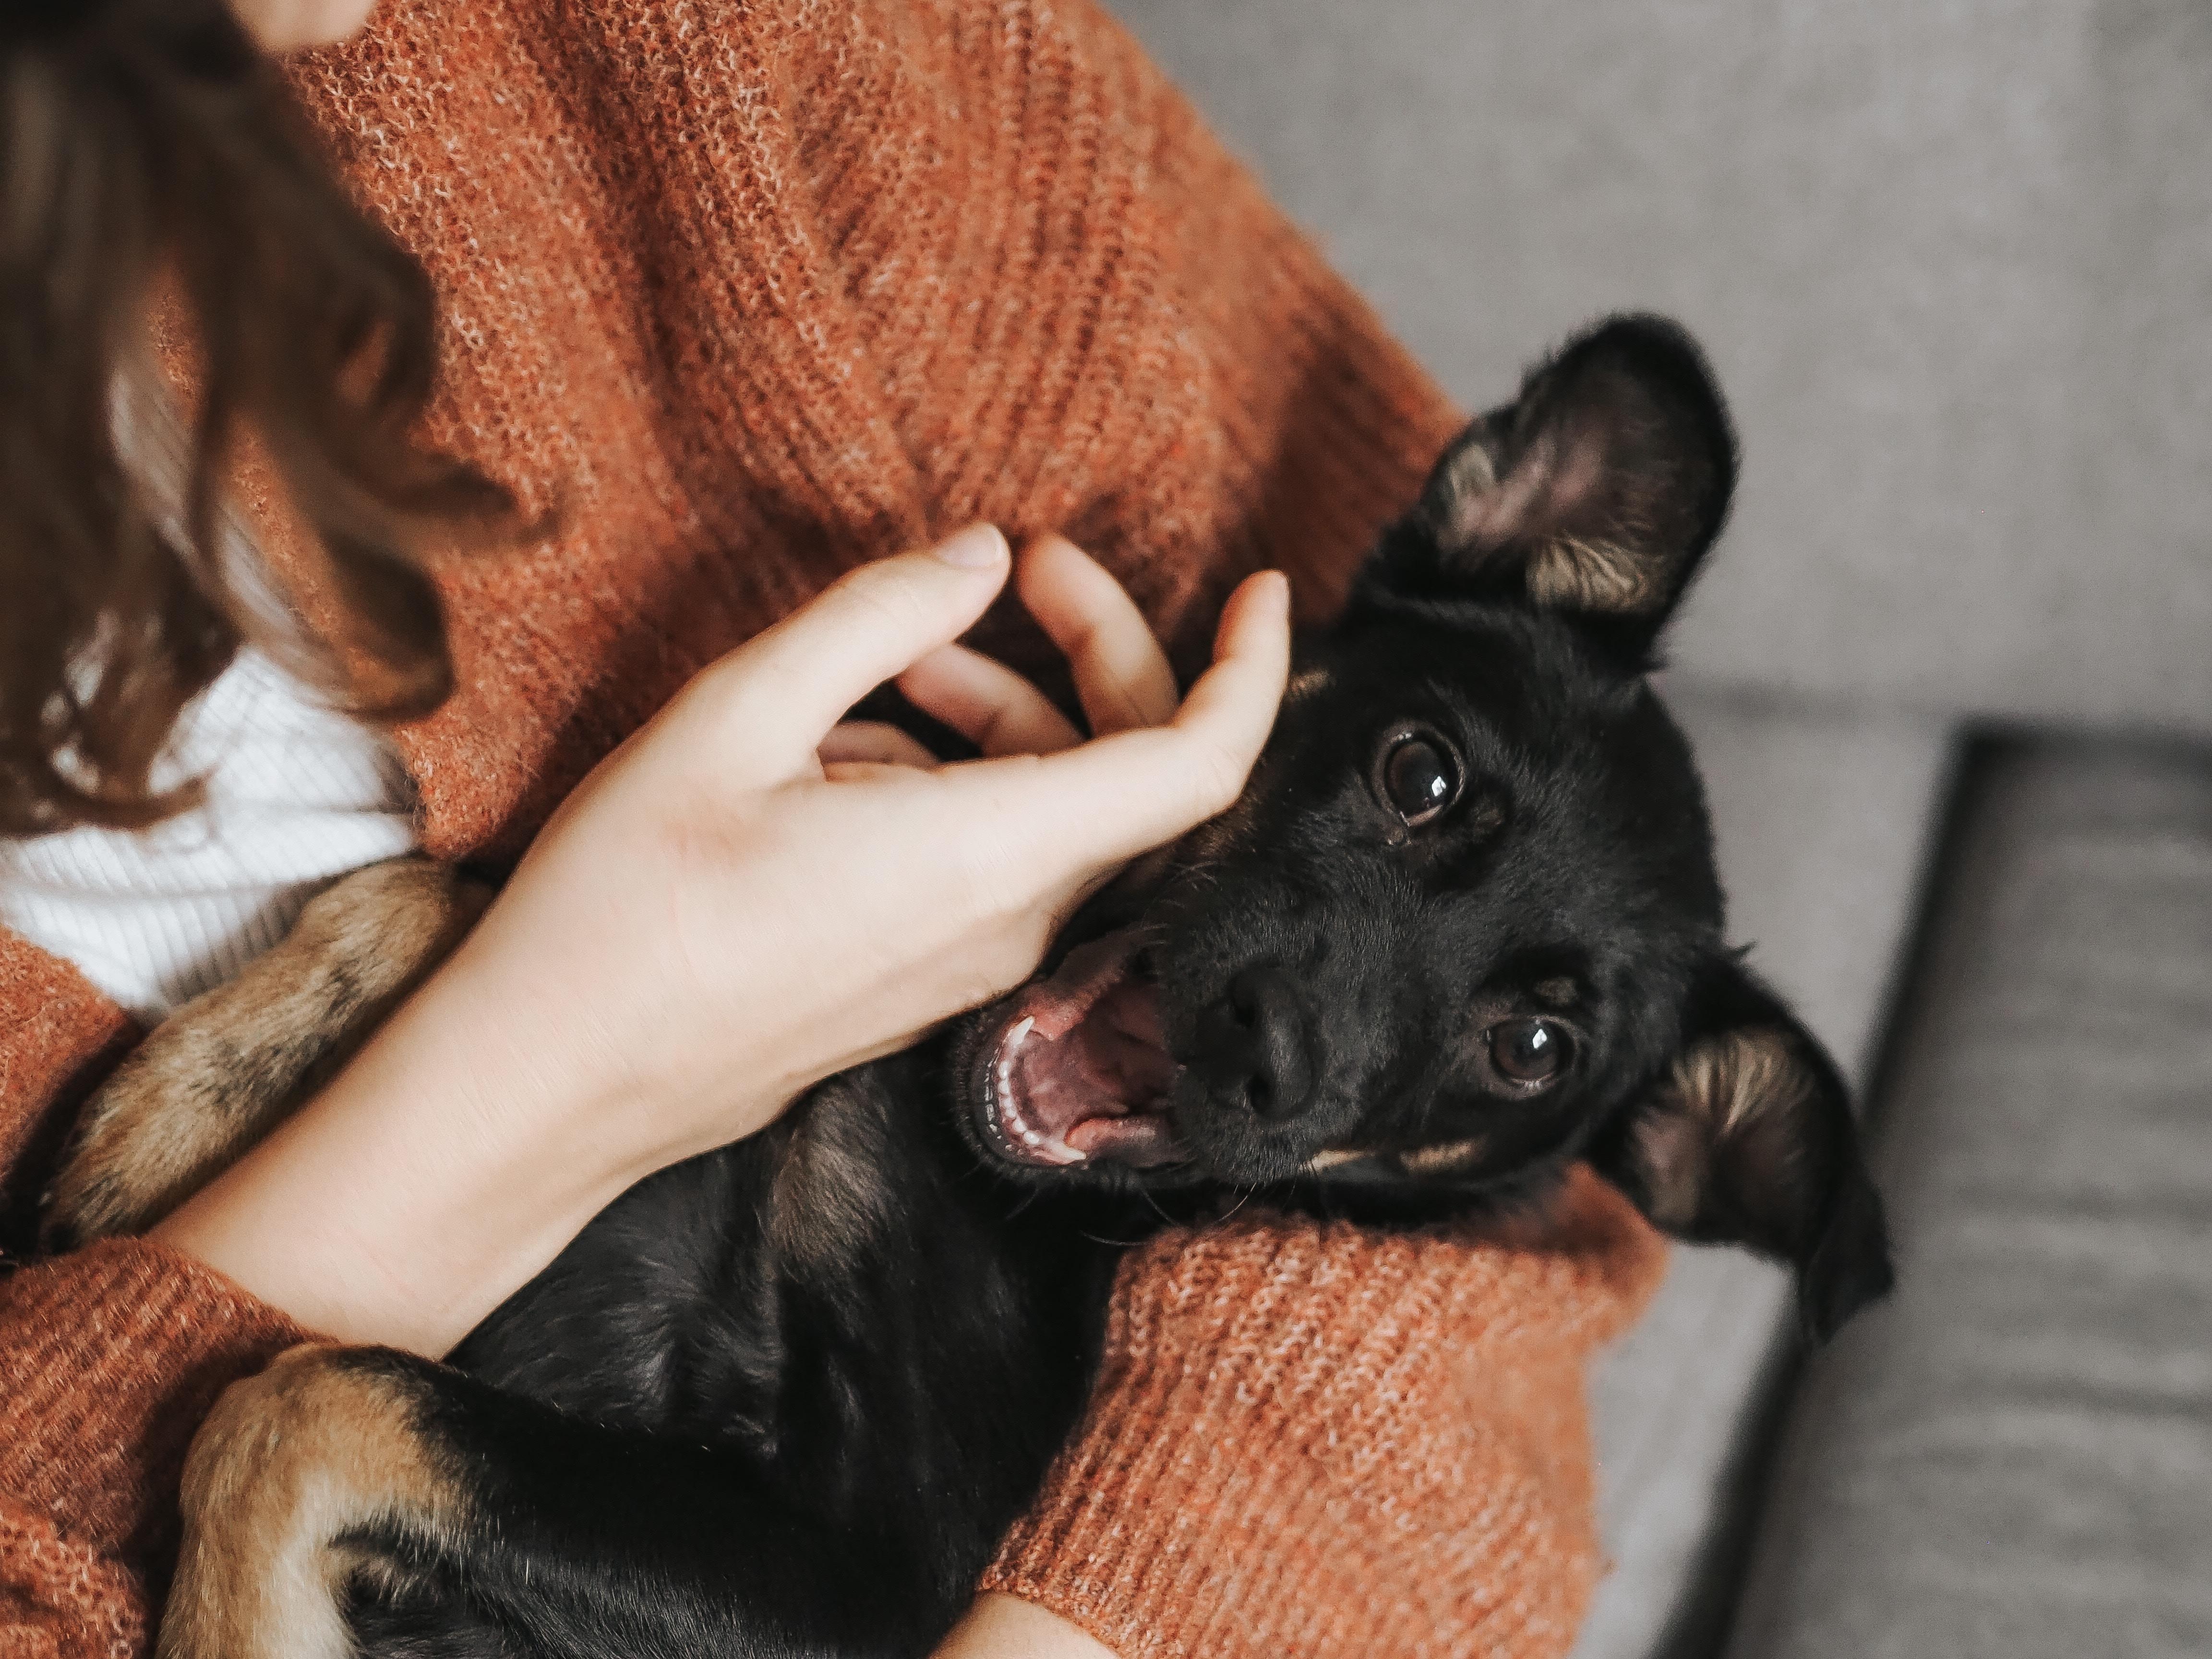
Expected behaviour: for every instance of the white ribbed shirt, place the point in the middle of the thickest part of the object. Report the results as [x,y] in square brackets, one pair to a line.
[297,795]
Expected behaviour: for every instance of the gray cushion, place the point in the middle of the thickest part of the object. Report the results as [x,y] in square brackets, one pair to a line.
[2013,1458]
[1954,264]
[1822,819]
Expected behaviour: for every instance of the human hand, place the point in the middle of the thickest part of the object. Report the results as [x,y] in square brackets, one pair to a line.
[738,903]
[763,900]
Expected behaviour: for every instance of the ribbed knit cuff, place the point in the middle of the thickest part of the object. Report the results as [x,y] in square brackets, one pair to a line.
[1308,1440]
[109,1360]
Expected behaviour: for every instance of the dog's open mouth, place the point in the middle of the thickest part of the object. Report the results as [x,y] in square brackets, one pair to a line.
[1075,1068]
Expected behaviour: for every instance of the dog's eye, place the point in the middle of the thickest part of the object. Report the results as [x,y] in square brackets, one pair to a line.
[1530,1054]
[1419,775]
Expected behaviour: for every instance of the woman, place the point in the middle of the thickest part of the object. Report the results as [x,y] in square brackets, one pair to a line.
[729,300]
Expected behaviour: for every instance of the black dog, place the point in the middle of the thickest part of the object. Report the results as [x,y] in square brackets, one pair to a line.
[1462,929]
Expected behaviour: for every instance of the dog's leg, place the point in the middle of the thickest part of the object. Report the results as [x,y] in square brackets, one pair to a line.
[226,1067]
[289,1466]
[345,1492]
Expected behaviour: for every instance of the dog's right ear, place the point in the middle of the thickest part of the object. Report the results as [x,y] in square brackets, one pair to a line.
[1593,494]
[1749,1140]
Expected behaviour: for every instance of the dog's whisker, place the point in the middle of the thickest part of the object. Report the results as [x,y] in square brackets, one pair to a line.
[1114,1243]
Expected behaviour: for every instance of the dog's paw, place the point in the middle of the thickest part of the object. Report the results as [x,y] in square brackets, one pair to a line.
[139,1138]
[282,1483]
[225,1069]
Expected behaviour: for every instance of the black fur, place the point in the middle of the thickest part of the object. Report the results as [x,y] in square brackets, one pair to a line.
[784,1399]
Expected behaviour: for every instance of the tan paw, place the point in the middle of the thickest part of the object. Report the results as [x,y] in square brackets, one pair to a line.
[289,1464]
[222,1070]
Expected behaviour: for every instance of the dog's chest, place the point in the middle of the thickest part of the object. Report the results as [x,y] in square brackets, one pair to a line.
[844,1296]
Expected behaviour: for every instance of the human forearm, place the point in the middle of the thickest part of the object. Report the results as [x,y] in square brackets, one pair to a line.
[720,916]
[1006,1627]
[407,1199]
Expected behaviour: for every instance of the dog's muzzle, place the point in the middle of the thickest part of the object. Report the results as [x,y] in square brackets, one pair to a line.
[1073,1068]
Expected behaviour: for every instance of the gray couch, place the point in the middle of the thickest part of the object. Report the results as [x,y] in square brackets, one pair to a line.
[1951,678]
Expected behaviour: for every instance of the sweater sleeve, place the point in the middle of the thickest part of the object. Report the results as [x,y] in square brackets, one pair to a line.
[1308,1439]
[109,1358]
[1324,425]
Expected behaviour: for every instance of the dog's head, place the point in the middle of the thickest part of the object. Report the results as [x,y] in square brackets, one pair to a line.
[1463,925]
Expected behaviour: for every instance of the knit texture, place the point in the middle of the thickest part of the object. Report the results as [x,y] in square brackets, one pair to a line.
[749,293]
[61,1597]
[1424,1488]
[120,1333]
[752,293]
[60,1035]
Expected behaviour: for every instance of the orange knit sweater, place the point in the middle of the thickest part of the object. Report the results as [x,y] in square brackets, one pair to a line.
[755,291]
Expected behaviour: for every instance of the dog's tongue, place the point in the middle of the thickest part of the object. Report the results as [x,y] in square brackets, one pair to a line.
[1083,1069]
[1104,1065]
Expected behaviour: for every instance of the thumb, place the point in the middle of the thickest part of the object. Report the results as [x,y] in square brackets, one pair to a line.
[783,690]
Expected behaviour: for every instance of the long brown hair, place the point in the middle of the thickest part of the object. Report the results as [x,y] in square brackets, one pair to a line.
[146,141]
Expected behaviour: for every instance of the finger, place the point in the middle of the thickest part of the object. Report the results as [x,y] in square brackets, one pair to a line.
[873,742]
[781,691]
[987,703]
[1122,674]
[1233,703]
[1110,799]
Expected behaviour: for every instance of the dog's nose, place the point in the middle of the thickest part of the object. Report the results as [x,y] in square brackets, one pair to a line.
[1255,1038]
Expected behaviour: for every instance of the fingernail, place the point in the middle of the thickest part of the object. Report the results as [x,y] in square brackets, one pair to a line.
[1278,590]
[977,548]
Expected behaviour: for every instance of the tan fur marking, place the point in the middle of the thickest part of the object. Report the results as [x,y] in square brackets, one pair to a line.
[1556,993]
[830,1194]
[1729,1081]
[1305,684]
[228,1066]
[287,1463]
[1334,1157]
[1449,1159]
[1588,575]
[1717,1089]
[1483,815]
[1468,486]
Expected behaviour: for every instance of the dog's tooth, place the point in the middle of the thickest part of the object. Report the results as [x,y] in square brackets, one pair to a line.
[1009,1115]
[1006,1058]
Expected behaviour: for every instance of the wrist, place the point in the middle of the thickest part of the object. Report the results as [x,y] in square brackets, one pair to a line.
[600,1075]
[408,1198]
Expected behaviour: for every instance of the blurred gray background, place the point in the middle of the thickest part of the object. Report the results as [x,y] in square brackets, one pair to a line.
[1950,674]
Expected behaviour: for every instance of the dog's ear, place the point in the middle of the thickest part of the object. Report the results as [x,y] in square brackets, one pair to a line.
[1595,494]
[1749,1140]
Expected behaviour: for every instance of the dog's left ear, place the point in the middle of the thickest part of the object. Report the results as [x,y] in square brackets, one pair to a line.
[1749,1140]
[1595,494]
